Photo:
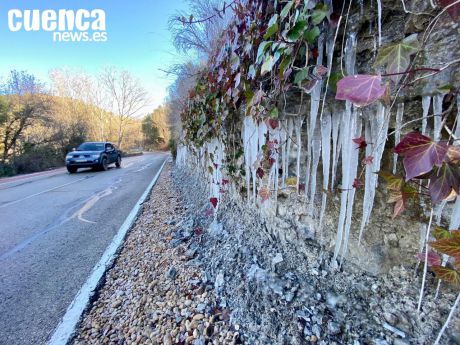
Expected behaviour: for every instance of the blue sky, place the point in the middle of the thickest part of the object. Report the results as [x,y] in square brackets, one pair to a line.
[138,41]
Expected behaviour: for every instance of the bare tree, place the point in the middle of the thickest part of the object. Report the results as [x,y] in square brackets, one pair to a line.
[127,95]
[199,30]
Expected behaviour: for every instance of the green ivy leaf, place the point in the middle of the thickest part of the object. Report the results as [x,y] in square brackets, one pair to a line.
[271,31]
[251,72]
[263,46]
[333,79]
[286,9]
[319,14]
[273,113]
[300,75]
[396,56]
[285,64]
[267,65]
[311,35]
[447,274]
[297,30]
[441,233]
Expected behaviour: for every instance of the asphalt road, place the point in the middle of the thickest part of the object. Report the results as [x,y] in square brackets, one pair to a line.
[54,227]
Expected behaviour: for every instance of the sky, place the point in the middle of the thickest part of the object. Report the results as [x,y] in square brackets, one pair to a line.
[138,40]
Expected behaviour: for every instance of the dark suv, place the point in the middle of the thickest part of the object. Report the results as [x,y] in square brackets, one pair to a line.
[93,155]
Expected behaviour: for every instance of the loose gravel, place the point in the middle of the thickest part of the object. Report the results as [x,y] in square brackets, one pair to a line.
[154,294]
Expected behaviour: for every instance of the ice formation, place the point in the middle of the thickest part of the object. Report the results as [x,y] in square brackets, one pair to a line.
[426,102]
[437,111]
[326,128]
[376,129]
[399,119]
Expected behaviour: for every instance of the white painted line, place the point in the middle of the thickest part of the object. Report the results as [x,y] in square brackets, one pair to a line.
[43,192]
[66,328]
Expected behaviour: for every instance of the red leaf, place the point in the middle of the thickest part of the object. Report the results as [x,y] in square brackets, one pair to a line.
[361,142]
[224,182]
[314,53]
[368,160]
[260,172]
[360,89]
[198,231]
[434,259]
[357,183]
[420,153]
[443,180]
[214,202]
[454,11]
[273,123]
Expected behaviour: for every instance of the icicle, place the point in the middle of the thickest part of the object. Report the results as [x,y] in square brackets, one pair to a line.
[427,237]
[250,142]
[457,128]
[298,131]
[437,111]
[316,148]
[399,117]
[326,127]
[290,129]
[376,136]
[455,217]
[336,120]
[346,152]
[216,148]
[314,107]
[438,211]
[356,132]
[426,102]
[283,138]
[379,19]
[347,131]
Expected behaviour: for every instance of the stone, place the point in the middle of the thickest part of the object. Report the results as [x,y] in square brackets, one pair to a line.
[172,273]
[334,328]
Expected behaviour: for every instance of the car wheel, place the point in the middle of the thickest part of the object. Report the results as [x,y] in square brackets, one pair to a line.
[72,170]
[118,162]
[104,164]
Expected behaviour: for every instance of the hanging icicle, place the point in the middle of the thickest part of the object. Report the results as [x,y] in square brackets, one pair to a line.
[347,130]
[283,138]
[298,134]
[376,135]
[326,128]
[314,107]
[437,110]
[379,20]
[457,128]
[316,148]
[250,146]
[290,129]
[426,102]
[399,118]
[336,143]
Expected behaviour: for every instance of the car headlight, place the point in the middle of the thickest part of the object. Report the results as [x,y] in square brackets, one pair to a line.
[95,156]
[68,157]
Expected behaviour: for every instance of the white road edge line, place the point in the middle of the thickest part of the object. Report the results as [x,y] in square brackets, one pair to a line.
[66,328]
[43,192]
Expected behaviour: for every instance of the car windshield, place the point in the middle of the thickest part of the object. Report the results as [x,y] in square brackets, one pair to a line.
[91,147]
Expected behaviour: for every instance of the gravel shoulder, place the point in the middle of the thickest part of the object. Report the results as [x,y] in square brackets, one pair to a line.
[154,294]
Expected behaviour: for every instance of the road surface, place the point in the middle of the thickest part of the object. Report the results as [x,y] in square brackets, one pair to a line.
[54,227]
